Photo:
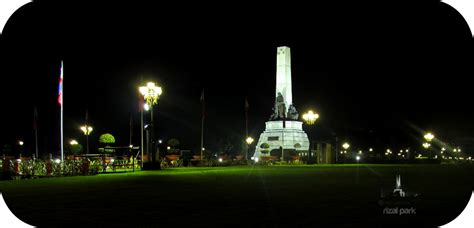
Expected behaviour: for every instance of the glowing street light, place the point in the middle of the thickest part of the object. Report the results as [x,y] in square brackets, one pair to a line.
[146,107]
[87,131]
[426,145]
[370,149]
[20,142]
[151,93]
[357,158]
[249,140]
[73,142]
[346,146]
[429,137]
[310,117]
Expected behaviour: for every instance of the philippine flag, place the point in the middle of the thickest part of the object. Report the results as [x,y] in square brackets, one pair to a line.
[60,89]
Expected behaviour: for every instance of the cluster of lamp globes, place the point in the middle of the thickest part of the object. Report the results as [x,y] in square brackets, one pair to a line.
[150,93]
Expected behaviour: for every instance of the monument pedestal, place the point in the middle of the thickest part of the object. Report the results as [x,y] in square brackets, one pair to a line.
[278,137]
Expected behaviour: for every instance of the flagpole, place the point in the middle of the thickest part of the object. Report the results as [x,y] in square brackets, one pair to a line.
[141,121]
[202,124]
[36,131]
[246,127]
[62,126]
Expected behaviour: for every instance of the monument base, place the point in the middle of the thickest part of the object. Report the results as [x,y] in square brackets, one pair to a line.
[290,137]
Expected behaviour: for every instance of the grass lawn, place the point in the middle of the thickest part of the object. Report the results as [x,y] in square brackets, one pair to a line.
[272,196]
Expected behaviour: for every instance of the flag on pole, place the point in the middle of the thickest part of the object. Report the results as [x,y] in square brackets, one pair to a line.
[60,89]
[60,101]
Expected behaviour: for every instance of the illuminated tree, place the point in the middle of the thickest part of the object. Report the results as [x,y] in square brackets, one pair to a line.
[107,138]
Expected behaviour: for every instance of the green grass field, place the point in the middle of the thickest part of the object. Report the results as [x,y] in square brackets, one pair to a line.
[278,195]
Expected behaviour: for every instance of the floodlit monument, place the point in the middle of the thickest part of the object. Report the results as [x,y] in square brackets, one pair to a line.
[283,131]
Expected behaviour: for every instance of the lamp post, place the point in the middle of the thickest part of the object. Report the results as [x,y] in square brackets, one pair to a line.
[248,140]
[87,131]
[428,137]
[151,93]
[345,146]
[310,118]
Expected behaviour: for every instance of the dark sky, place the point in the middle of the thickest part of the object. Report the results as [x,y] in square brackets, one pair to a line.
[370,71]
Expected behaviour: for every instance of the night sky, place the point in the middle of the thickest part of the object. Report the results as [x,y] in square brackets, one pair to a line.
[374,73]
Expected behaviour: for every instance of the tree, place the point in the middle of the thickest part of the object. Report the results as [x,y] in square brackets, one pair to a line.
[107,138]
[264,147]
[75,149]
[173,143]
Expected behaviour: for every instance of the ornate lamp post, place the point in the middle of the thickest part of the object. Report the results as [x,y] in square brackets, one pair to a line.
[310,118]
[151,93]
[87,131]
[428,137]
[249,141]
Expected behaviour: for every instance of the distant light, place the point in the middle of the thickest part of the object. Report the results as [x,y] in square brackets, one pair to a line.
[131,145]
[370,149]
[399,154]
[419,155]
[203,148]
[401,151]
[357,158]
[429,136]
[112,160]
[73,142]
[310,117]
[455,150]
[360,151]
[406,150]
[459,149]
[256,159]
[86,129]
[443,149]
[426,145]
[57,160]
[346,145]
[436,156]
[160,141]
[220,159]
[20,142]
[388,150]
[249,140]
[18,160]
[168,147]
[252,158]
[146,107]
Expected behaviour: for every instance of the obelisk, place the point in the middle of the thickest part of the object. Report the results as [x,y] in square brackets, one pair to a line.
[283,76]
[284,131]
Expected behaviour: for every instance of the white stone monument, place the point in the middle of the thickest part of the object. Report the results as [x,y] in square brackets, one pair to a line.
[283,131]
